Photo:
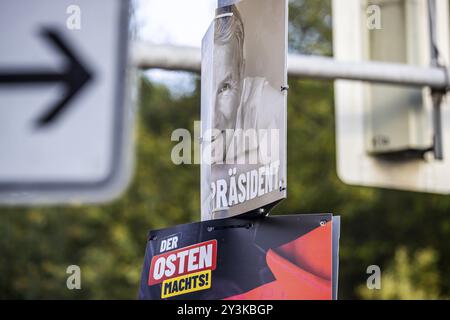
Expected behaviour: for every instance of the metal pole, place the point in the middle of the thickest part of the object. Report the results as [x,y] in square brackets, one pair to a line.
[369,71]
[436,94]
[148,56]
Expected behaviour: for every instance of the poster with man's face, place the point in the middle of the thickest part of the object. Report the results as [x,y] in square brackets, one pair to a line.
[244,94]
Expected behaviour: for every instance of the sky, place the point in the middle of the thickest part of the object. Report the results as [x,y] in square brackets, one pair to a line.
[177,22]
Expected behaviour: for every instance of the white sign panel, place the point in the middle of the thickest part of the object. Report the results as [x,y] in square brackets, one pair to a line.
[64,122]
[384,133]
[244,94]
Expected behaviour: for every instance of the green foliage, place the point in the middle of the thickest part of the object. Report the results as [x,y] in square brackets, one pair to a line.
[108,242]
[410,278]
[310,25]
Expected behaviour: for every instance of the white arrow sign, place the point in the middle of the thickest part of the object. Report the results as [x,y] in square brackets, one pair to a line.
[65,122]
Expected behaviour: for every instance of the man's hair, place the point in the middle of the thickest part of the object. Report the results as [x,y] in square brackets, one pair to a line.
[229,26]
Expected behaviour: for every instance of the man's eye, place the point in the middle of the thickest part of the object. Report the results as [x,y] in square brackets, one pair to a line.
[225,87]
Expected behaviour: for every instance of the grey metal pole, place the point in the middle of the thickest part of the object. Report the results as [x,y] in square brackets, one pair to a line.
[148,56]
[369,71]
[435,94]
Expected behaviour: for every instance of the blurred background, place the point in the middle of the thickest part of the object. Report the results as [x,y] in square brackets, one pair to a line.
[406,234]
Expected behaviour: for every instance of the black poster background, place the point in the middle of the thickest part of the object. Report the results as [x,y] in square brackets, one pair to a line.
[241,252]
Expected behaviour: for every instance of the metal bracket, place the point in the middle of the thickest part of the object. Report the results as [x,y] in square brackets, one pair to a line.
[436,95]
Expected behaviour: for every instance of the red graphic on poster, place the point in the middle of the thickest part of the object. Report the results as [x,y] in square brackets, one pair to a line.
[302,269]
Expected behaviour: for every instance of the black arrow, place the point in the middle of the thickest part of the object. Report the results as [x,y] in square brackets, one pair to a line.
[74,76]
